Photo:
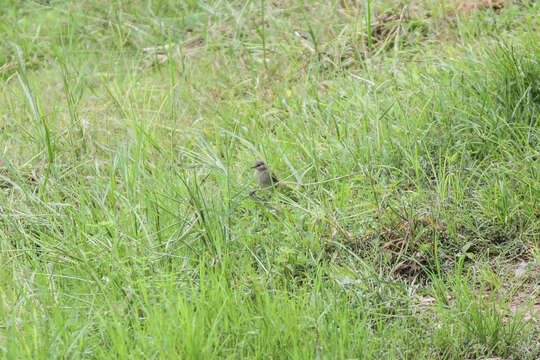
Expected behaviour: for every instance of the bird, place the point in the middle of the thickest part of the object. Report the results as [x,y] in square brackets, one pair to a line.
[268,179]
[265,177]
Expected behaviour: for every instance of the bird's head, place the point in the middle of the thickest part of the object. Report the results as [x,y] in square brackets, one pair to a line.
[260,166]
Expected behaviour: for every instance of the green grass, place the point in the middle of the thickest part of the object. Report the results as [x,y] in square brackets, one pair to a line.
[126,134]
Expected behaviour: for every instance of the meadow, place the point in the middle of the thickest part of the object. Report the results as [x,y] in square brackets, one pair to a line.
[127,132]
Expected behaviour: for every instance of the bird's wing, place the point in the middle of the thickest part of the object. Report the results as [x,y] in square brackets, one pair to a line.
[274,178]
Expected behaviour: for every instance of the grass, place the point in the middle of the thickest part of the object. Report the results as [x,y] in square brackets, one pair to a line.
[126,135]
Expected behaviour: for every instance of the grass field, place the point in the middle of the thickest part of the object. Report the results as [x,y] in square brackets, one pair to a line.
[127,132]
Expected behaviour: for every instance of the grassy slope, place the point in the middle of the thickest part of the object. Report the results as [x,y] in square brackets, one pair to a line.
[126,229]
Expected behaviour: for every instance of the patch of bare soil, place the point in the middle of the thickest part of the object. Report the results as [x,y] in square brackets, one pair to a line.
[527,298]
[468,7]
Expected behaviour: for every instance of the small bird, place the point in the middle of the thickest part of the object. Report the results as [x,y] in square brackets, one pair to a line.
[265,178]
[268,180]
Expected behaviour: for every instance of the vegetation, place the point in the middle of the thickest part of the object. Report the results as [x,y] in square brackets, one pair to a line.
[127,129]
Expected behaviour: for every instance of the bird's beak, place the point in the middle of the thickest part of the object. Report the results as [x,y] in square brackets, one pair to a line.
[254,166]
